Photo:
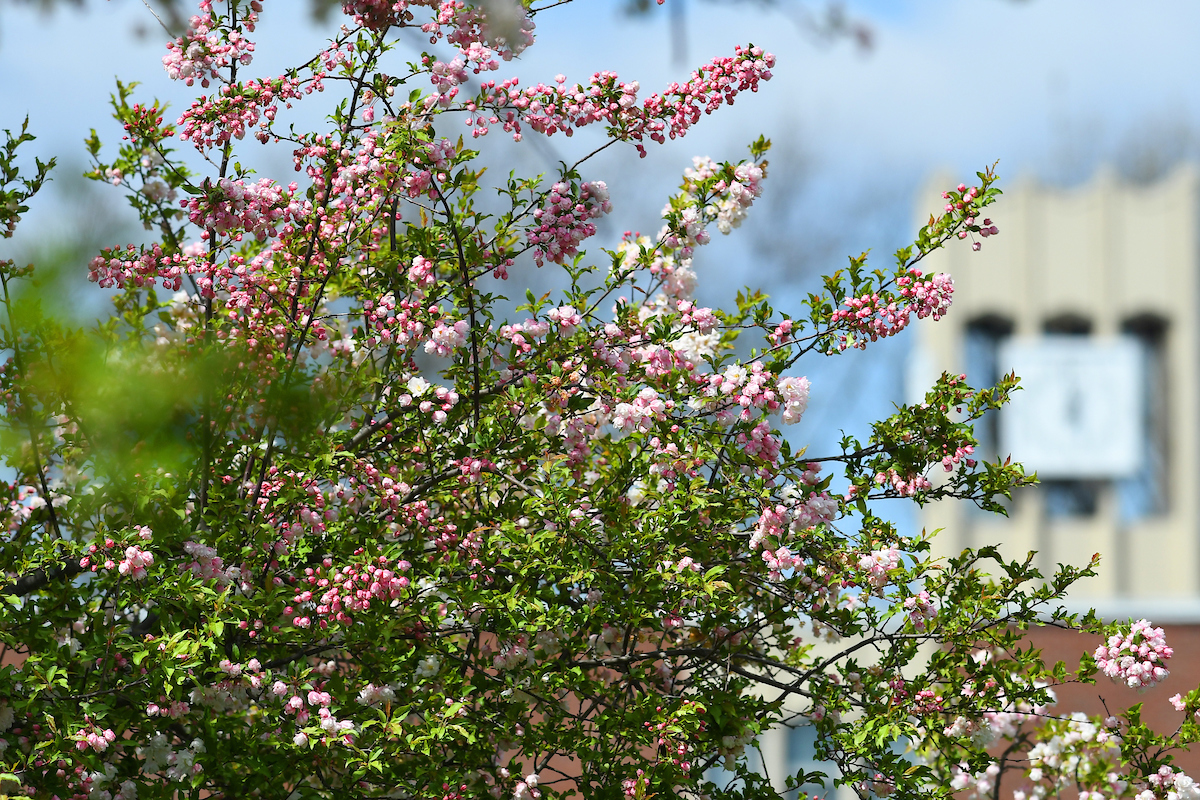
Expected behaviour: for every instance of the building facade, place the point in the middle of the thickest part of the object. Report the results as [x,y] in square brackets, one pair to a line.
[1094,267]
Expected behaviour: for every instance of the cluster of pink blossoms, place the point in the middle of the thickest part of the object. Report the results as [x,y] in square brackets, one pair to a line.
[526,789]
[173,709]
[642,413]
[959,454]
[423,272]
[24,499]
[902,485]
[1176,786]
[446,77]
[200,53]
[873,317]
[445,338]
[568,319]
[878,565]
[733,198]
[963,202]
[565,220]
[702,318]
[514,654]
[479,43]
[549,109]
[206,564]
[747,388]
[778,524]
[95,739]
[471,469]
[921,608]
[523,335]
[237,109]
[135,562]
[475,38]
[364,176]
[985,230]
[419,393]
[335,592]
[403,327]
[355,182]
[930,297]
[979,784]
[1137,659]
[320,700]
[121,266]
[779,560]
[257,208]
[760,442]
[658,362]
[377,14]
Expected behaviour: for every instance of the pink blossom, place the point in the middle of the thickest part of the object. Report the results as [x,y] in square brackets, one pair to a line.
[205,49]
[423,272]
[905,486]
[921,608]
[135,562]
[567,317]
[236,110]
[878,564]
[445,338]
[564,220]
[641,414]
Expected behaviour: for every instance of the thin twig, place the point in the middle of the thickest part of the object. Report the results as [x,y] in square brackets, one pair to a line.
[154,14]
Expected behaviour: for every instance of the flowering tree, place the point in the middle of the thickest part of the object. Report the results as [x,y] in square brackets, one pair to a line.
[313,514]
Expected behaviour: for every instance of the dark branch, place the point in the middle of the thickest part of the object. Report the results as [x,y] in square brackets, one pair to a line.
[38,579]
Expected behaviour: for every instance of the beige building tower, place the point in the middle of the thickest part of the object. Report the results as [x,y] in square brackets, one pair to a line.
[1091,294]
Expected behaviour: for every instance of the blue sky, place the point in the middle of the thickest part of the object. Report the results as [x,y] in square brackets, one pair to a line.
[1046,87]
[949,82]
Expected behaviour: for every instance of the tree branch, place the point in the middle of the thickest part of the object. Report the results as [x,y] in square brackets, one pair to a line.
[41,577]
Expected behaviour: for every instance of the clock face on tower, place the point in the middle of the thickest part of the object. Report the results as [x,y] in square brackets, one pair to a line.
[1081,411]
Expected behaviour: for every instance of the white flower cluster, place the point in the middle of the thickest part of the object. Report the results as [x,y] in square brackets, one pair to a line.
[795,397]
[372,695]
[160,758]
[1055,763]
[98,782]
[429,666]
[1176,786]
[527,789]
